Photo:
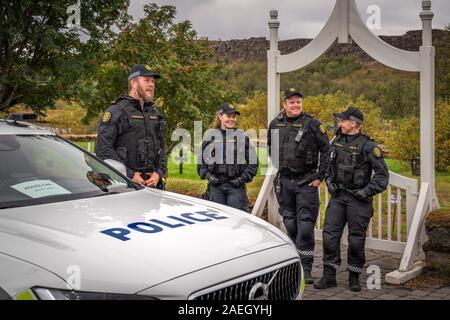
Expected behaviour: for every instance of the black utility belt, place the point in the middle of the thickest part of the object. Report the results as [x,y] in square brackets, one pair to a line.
[225,179]
[295,175]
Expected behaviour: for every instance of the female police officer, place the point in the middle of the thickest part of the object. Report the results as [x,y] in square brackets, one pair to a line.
[227,160]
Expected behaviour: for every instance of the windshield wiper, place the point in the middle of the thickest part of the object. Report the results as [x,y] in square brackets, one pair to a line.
[9,206]
[105,194]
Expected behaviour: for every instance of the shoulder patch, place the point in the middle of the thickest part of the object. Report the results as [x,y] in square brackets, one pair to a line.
[106,116]
[377,152]
[322,129]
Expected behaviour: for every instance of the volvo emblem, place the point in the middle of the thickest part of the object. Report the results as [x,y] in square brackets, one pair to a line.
[260,291]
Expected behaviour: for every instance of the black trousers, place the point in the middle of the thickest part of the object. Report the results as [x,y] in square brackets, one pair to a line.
[346,209]
[228,195]
[299,207]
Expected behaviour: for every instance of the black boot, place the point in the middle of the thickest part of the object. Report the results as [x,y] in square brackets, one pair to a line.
[308,278]
[328,279]
[353,280]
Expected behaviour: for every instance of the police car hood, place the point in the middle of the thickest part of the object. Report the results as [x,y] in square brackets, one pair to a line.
[70,236]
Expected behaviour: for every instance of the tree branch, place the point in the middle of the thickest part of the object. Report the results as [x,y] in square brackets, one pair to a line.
[5,104]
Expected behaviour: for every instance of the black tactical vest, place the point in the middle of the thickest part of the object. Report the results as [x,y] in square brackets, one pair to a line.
[299,151]
[224,169]
[350,166]
[139,144]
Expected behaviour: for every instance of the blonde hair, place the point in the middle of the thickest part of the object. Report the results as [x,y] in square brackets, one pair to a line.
[216,122]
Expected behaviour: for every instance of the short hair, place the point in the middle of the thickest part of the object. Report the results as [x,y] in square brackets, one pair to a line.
[129,83]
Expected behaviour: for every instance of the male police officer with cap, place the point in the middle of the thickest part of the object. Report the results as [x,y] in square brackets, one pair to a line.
[350,182]
[132,130]
[301,140]
[227,160]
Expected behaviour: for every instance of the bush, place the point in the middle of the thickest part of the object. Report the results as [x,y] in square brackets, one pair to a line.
[404,139]
[322,107]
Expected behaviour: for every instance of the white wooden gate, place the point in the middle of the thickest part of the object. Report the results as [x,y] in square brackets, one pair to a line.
[389,227]
[393,213]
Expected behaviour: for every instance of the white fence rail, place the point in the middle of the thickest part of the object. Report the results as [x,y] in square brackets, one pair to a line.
[390,225]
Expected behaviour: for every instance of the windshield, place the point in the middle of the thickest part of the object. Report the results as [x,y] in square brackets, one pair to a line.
[36,169]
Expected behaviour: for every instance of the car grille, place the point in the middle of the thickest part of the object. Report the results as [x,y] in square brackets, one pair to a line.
[285,286]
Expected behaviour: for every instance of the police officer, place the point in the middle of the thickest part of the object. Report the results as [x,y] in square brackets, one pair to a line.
[303,152]
[227,160]
[132,130]
[350,182]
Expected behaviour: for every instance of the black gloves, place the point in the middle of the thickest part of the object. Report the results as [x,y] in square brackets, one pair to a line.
[362,195]
[237,182]
[333,189]
[213,180]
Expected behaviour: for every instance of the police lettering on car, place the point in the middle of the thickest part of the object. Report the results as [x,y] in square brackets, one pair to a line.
[131,131]
[158,225]
[351,184]
[227,160]
[302,141]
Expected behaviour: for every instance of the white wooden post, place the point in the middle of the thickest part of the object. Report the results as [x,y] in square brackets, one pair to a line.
[273,90]
[427,105]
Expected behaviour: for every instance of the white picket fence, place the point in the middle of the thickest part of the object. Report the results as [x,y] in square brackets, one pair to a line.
[390,225]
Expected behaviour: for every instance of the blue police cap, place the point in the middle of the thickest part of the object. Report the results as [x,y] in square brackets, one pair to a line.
[351,113]
[228,108]
[142,70]
[292,92]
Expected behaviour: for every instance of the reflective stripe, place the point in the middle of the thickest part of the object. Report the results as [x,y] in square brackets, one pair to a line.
[134,75]
[335,266]
[306,253]
[355,269]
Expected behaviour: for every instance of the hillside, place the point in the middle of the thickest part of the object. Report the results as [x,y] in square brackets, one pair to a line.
[254,49]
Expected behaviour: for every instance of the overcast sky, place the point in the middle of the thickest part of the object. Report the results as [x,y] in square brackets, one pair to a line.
[240,19]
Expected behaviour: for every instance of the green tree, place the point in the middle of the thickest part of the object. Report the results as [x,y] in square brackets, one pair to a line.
[254,112]
[189,89]
[443,67]
[404,138]
[40,57]
[399,98]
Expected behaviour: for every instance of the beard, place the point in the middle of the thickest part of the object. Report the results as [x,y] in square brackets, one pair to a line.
[147,97]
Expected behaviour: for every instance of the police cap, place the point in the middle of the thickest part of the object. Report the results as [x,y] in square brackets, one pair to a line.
[228,108]
[352,113]
[142,70]
[292,92]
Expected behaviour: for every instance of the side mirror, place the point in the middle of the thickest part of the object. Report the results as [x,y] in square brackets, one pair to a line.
[119,166]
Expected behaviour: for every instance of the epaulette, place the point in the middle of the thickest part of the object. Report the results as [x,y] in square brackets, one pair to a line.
[367,136]
[281,115]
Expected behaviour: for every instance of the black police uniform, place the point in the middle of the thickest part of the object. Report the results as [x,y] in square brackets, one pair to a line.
[227,179]
[352,186]
[301,141]
[133,135]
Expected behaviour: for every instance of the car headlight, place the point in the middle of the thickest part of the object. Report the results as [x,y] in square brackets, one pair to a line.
[59,294]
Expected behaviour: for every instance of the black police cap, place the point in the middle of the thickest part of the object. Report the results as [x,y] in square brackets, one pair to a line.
[142,70]
[351,113]
[292,92]
[228,108]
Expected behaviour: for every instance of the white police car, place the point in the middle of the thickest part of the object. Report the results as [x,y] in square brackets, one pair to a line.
[74,227]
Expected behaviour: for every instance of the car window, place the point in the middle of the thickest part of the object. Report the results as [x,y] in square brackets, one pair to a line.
[43,168]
